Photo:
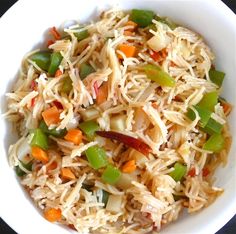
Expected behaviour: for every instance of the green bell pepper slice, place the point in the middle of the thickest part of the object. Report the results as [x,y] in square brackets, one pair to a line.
[96,156]
[89,128]
[142,17]
[156,74]
[209,101]
[57,133]
[204,115]
[85,70]
[216,77]
[55,62]
[27,166]
[67,85]
[111,174]
[213,127]
[39,139]
[179,171]
[42,59]
[81,35]
[215,143]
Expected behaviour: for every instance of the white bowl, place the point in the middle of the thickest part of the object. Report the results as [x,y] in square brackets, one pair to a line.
[22,29]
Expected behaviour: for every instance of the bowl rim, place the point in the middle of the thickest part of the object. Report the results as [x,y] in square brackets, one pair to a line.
[230,16]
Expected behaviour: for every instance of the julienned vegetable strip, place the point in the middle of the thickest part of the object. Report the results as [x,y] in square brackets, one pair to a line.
[213,127]
[135,143]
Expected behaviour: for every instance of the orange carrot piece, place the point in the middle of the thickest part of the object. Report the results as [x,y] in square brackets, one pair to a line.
[128,50]
[50,42]
[39,154]
[128,33]
[51,115]
[74,135]
[67,174]
[55,33]
[226,107]
[58,73]
[52,166]
[129,166]
[102,93]
[52,214]
[133,24]
[33,102]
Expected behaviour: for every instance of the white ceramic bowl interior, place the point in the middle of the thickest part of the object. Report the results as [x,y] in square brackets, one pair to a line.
[23,28]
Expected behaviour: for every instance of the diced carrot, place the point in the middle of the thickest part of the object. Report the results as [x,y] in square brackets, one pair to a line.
[67,174]
[102,93]
[129,166]
[55,33]
[52,166]
[58,105]
[52,214]
[39,154]
[226,107]
[51,115]
[133,24]
[128,50]
[58,73]
[192,172]
[128,33]
[50,42]
[205,172]
[74,135]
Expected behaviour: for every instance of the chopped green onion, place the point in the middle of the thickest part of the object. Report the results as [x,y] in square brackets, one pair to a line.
[39,139]
[216,77]
[213,127]
[209,100]
[204,115]
[42,59]
[179,171]
[156,74]
[55,62]
[96,157]
[81,35]
[67,85]
[215,143]
[85,70]
[57,133]
[166,21]
[111,174]
[89,128]
[142,17]
[105,196]
[27,166]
